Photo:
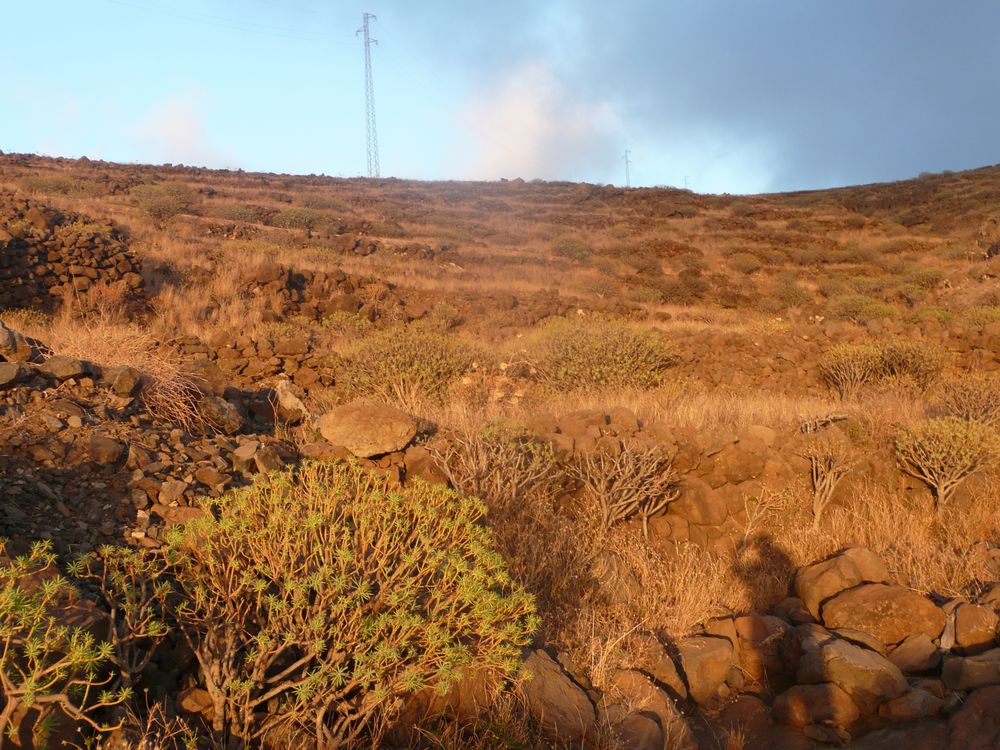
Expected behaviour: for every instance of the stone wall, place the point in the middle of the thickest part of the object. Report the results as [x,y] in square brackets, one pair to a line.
[47,256]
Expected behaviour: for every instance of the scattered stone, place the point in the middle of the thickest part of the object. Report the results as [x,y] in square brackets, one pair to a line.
[61,367]
[221,415]
[706,661]
[105,450]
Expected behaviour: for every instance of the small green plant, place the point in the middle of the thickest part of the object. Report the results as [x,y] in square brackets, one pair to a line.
[981,315]
[315,600]
[944,451]
[399,364]
[975,397]
[46,665]
[594,354]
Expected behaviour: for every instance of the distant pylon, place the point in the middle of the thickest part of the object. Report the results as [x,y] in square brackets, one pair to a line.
[373,168]
[628,162]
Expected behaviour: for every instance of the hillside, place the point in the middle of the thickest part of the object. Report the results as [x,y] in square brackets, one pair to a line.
[738,456]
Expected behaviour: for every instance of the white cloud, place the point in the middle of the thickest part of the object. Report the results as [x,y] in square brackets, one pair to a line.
[529,125]
[174,130]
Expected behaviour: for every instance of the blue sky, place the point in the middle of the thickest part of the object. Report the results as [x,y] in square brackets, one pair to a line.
[737,96]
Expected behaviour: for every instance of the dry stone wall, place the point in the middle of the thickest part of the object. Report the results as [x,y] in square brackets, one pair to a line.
[47,256]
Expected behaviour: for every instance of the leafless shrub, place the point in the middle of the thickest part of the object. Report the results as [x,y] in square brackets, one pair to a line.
[634,480]
[830,460]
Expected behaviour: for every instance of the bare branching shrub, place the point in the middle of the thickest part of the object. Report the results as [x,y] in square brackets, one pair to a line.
[519,479]
[830,460]
[500,465]
[315,600]
[46,665]
[158,729]
[944,451]
[403,364]
[975,397]
[846,367]
[582,355]
[633,481]
[135,591]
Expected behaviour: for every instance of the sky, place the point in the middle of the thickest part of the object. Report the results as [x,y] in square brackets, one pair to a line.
[741,96]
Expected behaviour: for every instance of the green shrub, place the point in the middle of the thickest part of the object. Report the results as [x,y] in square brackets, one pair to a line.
[917,361]
[847,367]
[297,218]
[925,278]
[51,185]
[572,248]
[974,397]
[744,263]
[165,200]
[860,307]
[47,665]
[981,315]
[316,600]
[240,212]
[944,451]
[403,363]
[592,354]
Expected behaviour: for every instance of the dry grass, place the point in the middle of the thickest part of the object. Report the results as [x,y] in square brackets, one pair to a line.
[97,330]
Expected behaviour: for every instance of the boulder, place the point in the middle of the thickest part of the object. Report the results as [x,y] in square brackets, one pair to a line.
[367,429]
[970,672]
[706,661]
[638,692]
[759,639]
[975,628]
[890,613]
[651,658]
[820,581]
[699,503]
[976,725]
[870,679]
[555,701]
[910,706]
[824,703]
[918,653]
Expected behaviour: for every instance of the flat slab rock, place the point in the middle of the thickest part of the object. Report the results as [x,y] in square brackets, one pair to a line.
[367,429]
[890,613]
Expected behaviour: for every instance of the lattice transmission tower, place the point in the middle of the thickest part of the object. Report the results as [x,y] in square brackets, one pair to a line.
[373,168]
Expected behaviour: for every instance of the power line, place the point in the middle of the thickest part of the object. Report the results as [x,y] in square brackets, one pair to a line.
[227,22]
[372,135]
[628,162]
